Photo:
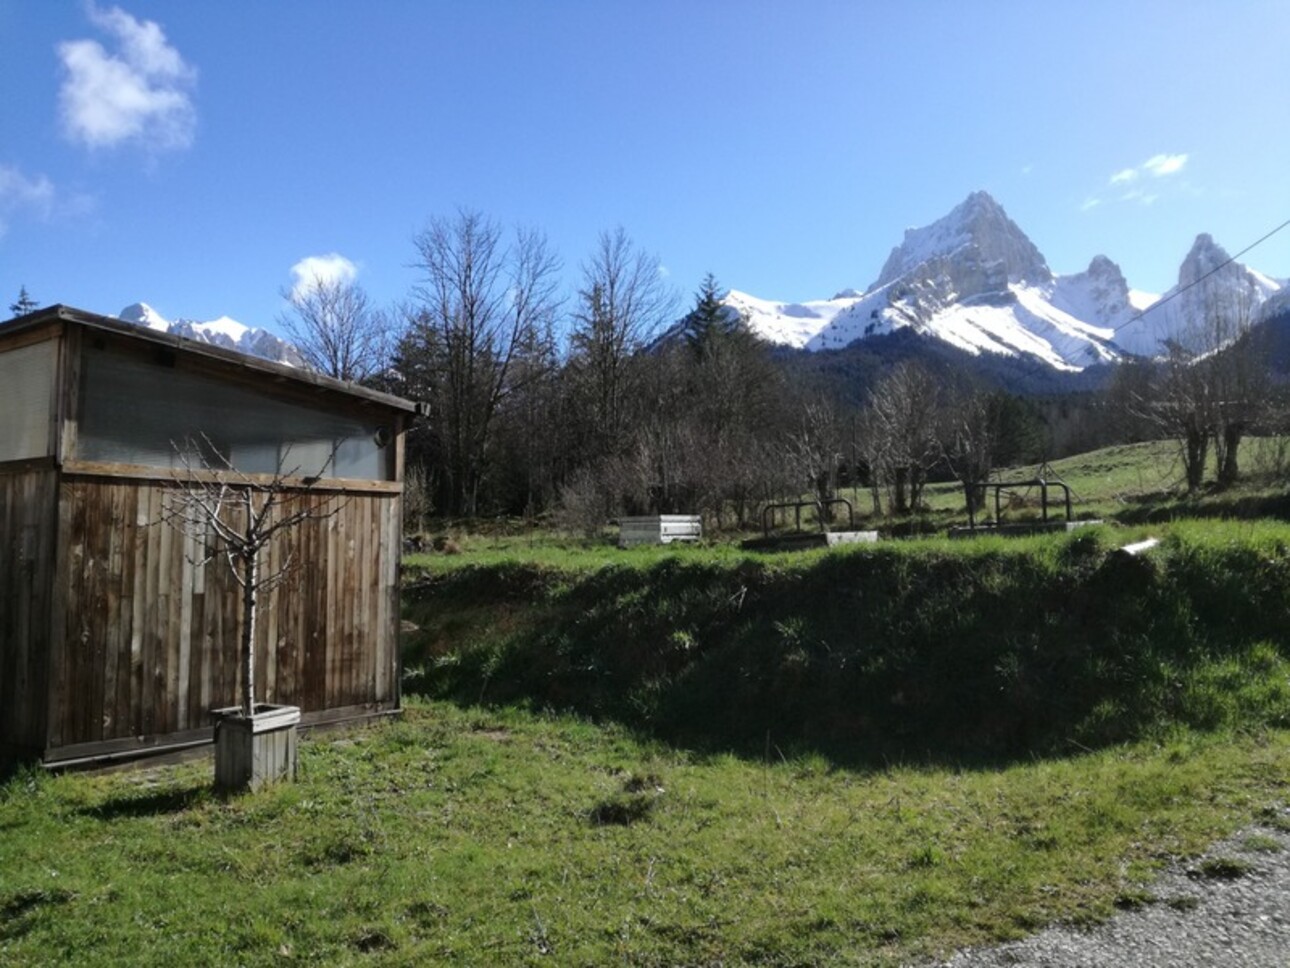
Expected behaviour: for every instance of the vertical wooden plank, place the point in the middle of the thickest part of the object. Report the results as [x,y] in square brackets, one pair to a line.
[177,593]
[62,619]
[13,649]
[229,644]
[269,612]
[144,672]
[284,596]
[110,635]
[382,644]
[201,675]
[376,638]
[90,692]
[390,646]
[129,596]
[132,697]
[400,425]
[182,668]
[69,397]
[26,550]
[331,529]
[347,587]
[316,618]
[369,548]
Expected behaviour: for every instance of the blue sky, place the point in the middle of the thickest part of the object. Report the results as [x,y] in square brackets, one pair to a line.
[191,154]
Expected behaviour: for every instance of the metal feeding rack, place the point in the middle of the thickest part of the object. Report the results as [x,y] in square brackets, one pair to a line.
[1044,481]
[798,538]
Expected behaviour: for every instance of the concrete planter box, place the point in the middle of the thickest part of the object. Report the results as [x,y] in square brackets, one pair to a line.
[252,753]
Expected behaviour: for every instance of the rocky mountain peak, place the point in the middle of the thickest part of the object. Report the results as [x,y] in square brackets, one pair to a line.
[974,280]
[977,232]
[1205,256]
[225,332]
[142,314]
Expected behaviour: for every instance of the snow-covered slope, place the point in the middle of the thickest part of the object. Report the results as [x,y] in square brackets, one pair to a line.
[225,332]
[974,280]
[1213,298]
[789,324]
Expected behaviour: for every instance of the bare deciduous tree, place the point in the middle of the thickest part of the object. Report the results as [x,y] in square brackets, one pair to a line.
[336,329]
[623,303]
[481,308]
[814,449]
[905,413]
[970,431]
[1209,387]
[232,517]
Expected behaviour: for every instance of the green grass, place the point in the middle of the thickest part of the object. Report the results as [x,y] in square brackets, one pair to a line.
[927,649]
[1135,487]
[469,836]
[867,756]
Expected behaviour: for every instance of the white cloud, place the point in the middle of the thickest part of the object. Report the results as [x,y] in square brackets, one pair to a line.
[138,92]
[1157,166]
[1161,165]
[19,191]
[36,197]
[315,269]
[1138,195]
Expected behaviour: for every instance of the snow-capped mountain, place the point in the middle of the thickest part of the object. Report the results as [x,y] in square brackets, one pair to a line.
[225,332]
[1223,296]
[974,280]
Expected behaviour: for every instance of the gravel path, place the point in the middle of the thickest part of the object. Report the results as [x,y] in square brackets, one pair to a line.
[1230,907]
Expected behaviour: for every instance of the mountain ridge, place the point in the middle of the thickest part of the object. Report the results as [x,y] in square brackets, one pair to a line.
[975,280]
[224,331]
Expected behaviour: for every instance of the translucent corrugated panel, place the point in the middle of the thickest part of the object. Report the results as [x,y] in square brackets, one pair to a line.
[26,396]
[134,411]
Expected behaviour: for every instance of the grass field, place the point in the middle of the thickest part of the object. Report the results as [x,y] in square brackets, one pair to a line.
[472,836]
[698,756]
[1129,485]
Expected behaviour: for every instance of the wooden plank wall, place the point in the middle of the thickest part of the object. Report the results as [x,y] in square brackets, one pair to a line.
[149,642]
[27,500]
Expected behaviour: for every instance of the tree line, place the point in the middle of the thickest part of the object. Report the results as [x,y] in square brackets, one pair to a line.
[600,402]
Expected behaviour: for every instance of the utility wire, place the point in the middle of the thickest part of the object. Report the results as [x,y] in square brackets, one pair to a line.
[1196,282]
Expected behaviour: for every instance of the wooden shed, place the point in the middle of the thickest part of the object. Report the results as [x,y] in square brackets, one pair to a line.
[115,640]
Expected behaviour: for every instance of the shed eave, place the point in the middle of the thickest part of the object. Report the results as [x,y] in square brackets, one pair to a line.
[226,357]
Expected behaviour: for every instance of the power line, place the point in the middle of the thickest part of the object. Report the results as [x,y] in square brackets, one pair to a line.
[1195,282]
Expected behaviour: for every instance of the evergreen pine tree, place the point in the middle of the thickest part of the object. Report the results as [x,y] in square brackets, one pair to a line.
[710,317]
[24,305]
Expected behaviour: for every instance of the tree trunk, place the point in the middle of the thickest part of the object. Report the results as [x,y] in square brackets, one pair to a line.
[1228,469]
[899,501]
[1196,449]
[875,495]
[250,571]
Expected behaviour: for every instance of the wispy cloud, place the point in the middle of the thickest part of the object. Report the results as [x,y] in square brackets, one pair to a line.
[315,269]
[1138,195]
[36,197]
[1161,165]
[1125,185]
[1157,166]
[137,92]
